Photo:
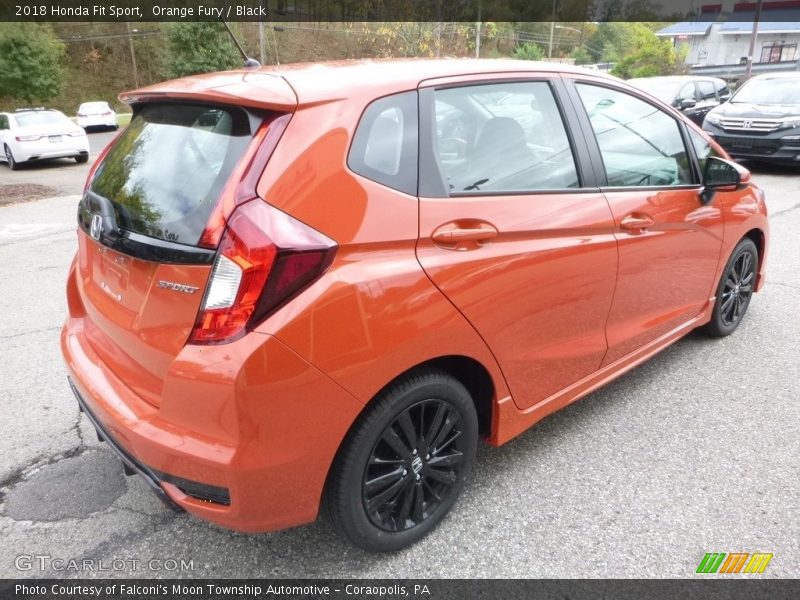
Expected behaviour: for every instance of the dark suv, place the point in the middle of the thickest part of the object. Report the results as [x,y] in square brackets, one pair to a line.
[693,96]
[762,119]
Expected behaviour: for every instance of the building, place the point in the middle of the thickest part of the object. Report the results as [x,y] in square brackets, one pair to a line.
[719,39]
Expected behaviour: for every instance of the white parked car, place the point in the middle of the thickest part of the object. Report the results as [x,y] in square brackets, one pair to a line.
[97,114]
[37,133]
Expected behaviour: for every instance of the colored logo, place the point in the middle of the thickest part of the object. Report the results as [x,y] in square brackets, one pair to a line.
[735,562]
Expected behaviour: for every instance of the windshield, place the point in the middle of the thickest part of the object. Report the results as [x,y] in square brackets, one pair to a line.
[166,172]
[662,89]
[45,117]
[769,91]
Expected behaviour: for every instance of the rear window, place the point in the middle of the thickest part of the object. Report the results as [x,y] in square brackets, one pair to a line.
[166,172]
[46,117]
[94,106]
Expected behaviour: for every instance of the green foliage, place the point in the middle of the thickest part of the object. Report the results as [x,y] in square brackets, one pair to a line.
[199,47]
[30,62]
[650,56]
[581,56]
[635,49]
[528,51]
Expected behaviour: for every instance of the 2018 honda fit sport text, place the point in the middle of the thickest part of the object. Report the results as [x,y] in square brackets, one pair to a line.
[320,285]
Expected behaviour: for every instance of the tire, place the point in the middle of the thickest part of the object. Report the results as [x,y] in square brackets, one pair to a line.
[82,158]
[385,493]
[12,164]
[734,291]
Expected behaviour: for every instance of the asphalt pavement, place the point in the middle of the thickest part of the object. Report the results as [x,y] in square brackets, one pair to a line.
[696,451]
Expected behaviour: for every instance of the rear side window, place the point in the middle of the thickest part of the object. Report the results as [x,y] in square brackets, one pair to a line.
[384,147]
[165,174]
[502,137]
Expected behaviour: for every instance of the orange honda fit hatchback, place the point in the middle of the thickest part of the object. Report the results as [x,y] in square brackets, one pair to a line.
[322,284]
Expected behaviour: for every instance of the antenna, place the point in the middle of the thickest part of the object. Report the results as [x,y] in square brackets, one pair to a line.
[249,63]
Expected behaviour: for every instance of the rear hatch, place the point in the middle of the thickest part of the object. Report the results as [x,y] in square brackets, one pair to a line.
[144,254]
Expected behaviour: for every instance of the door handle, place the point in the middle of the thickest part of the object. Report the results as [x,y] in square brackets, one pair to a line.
[453,234]
[637,223]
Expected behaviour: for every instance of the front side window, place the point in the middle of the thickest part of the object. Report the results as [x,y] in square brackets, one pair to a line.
[502,137]
[702,148]
[384,146]
[707,91]
[640,145]
[687,92]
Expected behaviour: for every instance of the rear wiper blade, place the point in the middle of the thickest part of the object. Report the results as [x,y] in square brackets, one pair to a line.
[474,186]
[97,216]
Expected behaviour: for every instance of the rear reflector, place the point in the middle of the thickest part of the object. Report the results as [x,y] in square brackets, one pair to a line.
[265,258]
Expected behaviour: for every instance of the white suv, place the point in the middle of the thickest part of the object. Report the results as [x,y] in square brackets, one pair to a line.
[36,134]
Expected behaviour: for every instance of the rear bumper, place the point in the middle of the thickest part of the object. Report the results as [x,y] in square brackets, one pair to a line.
[129,461]
[38,150]
[266,435]
[97,121]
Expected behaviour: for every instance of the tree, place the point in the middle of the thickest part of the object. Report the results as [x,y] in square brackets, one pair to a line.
[199,47]
[528,52]
[581,56]
[30,62]
[650,56]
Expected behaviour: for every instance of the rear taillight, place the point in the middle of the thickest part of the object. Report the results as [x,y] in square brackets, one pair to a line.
[244,181]
[264,259]
[28,138]
[82,115]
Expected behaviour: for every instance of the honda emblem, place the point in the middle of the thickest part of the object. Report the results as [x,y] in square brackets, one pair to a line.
[96,229]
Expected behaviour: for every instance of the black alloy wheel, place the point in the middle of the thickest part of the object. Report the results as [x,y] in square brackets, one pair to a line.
[735,290]
[738,289]
[404,463]
[414,466]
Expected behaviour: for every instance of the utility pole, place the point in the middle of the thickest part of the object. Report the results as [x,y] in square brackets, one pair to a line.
[133,55]
[552,28]
[749,69]
[262,53]
[478,33]
[438,28]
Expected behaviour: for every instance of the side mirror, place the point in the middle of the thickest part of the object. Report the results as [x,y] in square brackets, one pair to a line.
[723,176]
[687,103]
